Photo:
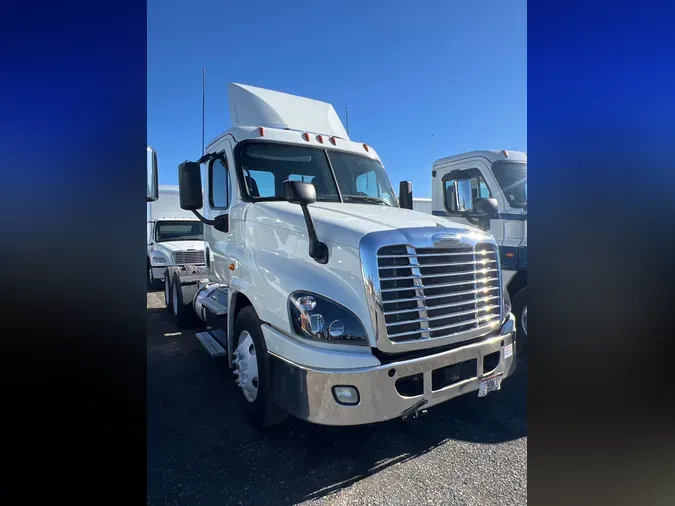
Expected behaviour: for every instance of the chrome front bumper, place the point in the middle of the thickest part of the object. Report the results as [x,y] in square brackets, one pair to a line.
[308,393]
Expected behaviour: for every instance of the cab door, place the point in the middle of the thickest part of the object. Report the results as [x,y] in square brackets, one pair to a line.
[217,201]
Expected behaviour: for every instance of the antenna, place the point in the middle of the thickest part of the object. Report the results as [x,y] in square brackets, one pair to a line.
[203,105]
[347,119]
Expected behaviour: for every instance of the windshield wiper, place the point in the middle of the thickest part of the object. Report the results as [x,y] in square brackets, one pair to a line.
[366,198]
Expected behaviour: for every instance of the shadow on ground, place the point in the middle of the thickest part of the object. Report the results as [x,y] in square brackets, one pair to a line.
[202,450]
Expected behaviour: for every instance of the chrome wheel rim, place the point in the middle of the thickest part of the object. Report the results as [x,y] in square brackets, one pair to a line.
[523,319]
[166,291]
[246,363]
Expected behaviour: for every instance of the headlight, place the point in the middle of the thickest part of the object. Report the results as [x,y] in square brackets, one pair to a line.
[317,318]
[158,259]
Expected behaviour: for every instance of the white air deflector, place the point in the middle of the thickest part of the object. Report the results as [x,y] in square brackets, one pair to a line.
[258,107]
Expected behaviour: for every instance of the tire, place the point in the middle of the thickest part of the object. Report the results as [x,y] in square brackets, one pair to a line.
[182,313]
[261,411]
[153,283]
[519,308]
[167,291]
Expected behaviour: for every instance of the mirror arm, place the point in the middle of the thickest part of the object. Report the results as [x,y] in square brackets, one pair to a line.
[317,250]
[205,221]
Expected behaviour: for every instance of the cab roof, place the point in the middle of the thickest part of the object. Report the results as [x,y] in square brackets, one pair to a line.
[491,154]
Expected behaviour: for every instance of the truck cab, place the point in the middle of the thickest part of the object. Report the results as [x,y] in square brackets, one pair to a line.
[175,236]
[461,183]
[329,298]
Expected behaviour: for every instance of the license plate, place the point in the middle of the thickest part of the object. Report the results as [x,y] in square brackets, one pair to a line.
[488,385]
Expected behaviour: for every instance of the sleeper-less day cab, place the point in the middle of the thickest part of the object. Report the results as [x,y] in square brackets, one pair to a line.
[175,236]
[331,301]
[459,185]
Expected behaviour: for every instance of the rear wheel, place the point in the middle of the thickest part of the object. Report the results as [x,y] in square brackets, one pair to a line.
[519,309]
[182,313]
[167,291]
[253,371]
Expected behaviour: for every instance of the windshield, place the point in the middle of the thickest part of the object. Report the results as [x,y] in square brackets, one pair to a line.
[512,178]
[265,167]
[180,231]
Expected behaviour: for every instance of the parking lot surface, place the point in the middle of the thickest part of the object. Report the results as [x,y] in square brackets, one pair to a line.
[201,450]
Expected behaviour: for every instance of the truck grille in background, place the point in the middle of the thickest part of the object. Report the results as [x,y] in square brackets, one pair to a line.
[438,292]
[189,257]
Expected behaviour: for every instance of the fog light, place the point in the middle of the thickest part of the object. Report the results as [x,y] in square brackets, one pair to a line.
[346,395]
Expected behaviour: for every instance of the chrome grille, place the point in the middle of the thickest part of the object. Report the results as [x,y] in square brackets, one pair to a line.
[188,257]
[431,293]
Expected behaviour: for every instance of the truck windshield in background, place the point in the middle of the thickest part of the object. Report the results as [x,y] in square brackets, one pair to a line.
[512,178]
[265,166]
[180,231]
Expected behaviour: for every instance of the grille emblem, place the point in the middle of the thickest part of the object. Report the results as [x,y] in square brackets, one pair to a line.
[446,240]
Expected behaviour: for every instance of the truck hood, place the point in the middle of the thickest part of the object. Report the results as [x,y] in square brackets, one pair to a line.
[344,224]
[173,246]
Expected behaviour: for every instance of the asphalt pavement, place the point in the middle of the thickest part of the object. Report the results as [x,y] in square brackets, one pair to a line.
[201,450]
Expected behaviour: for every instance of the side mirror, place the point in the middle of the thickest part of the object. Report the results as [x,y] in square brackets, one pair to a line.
[301,193]
[190,186]
[153,184]
[463,195]
[304,194]
[487,207]
[405,195]
[221,223]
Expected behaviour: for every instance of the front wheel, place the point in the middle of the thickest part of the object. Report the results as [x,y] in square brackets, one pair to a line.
[519,309]
[253,371]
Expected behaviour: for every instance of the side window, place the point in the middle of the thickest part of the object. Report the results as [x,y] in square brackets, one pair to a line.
[479,189]
[219,184]
[484,191]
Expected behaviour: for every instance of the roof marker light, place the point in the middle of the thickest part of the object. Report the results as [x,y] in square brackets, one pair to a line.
[319,138]
[505,153]
[365,146]
[262,131]
[333,141]
[305,136]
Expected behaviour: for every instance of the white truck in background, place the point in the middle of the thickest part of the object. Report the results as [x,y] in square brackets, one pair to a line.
[175,236]
[423,205]
[329,300]
[460,186]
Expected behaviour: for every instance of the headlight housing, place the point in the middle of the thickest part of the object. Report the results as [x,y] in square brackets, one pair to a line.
[158,258]
[320,319]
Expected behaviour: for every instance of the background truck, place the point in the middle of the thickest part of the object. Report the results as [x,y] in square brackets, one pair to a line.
[175,236]
[423,205]
[461,182]
[331,301]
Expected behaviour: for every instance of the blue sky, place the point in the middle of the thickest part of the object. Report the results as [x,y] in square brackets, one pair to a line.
[422,80]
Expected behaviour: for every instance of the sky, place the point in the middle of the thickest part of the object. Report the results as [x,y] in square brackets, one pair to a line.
[421,80]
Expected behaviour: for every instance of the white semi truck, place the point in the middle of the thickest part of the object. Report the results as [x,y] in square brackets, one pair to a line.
[460,184]
[175,236]
[330,299]
[423,205]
